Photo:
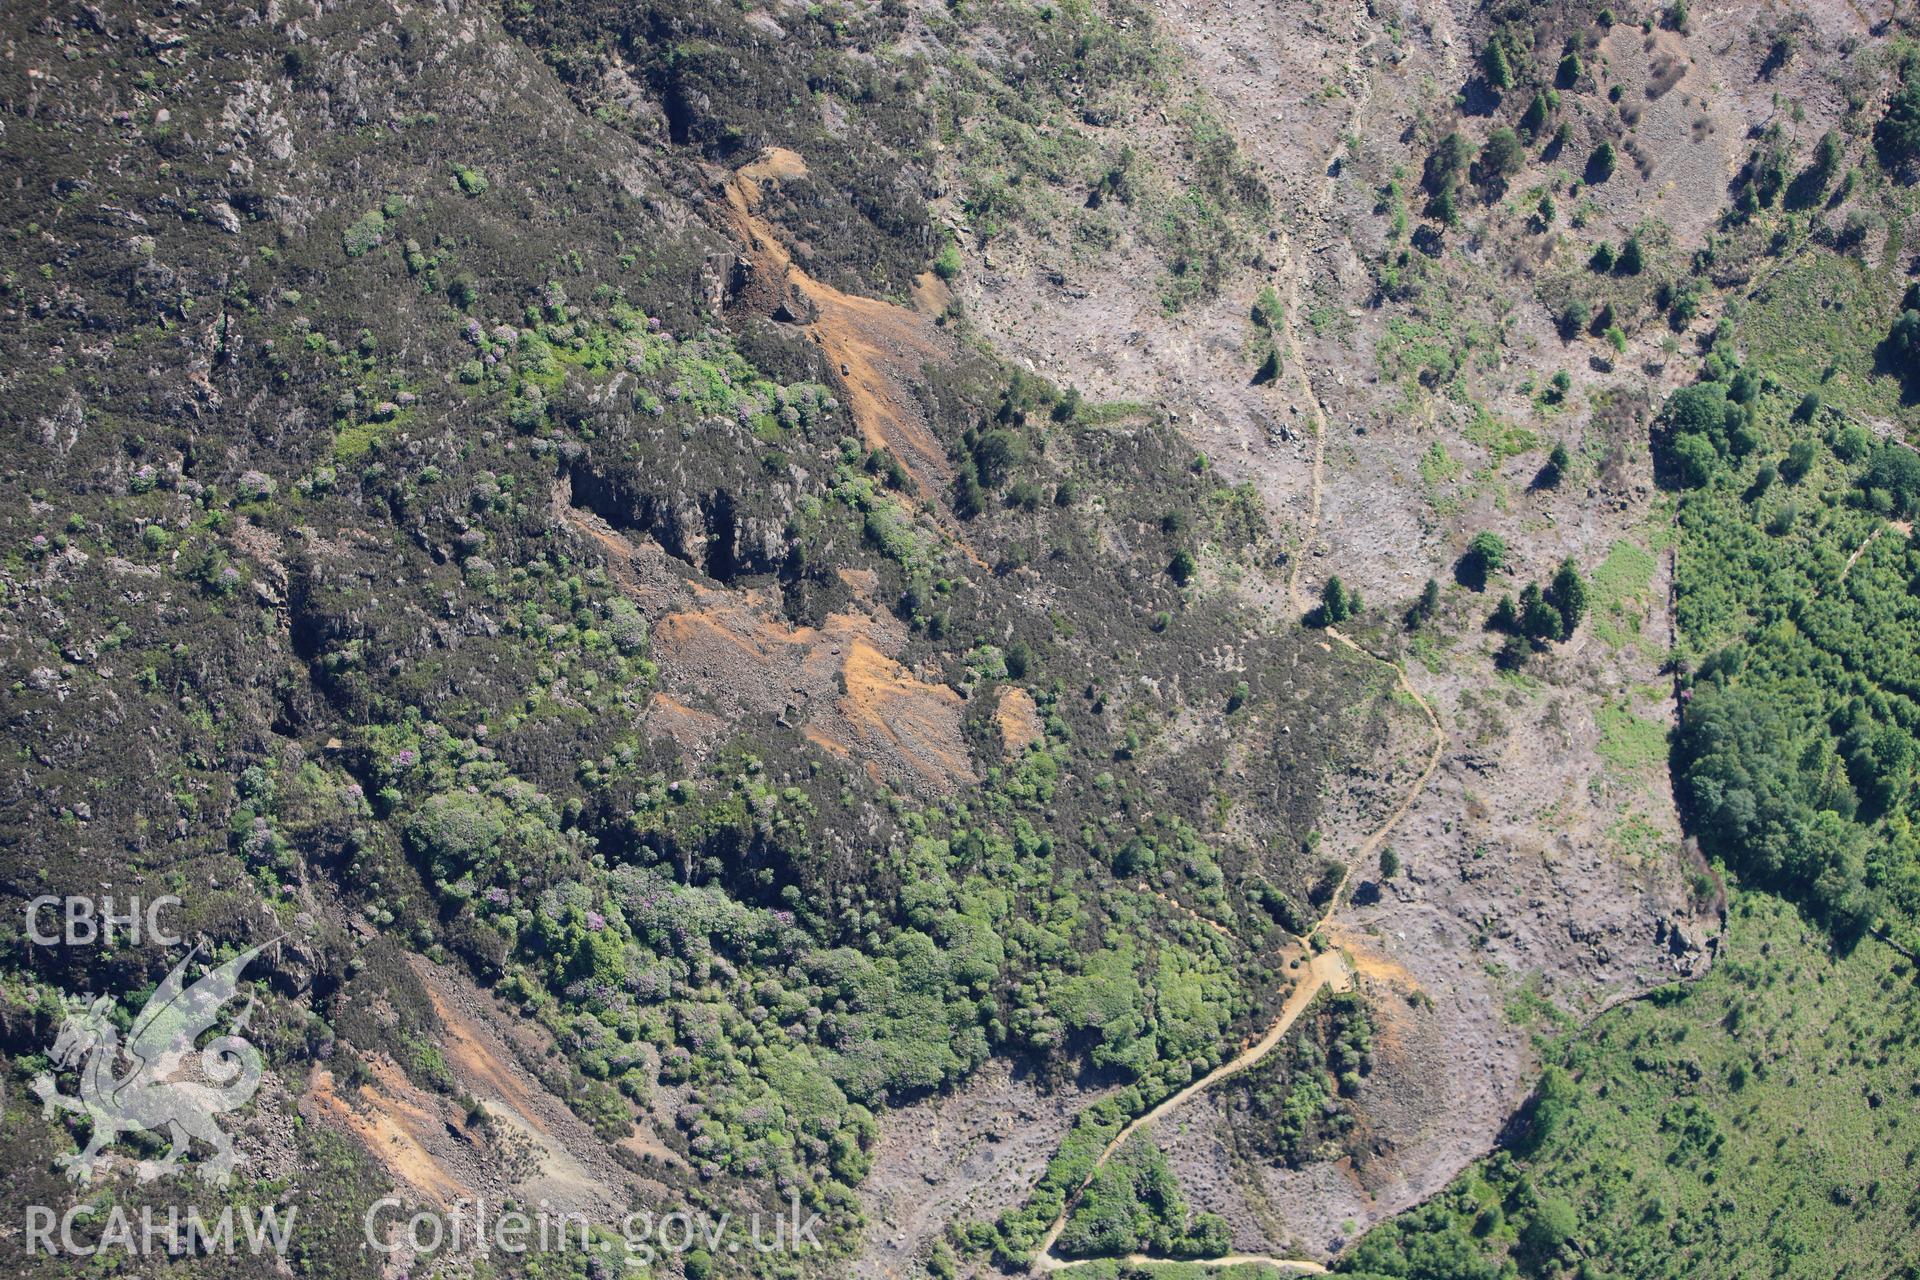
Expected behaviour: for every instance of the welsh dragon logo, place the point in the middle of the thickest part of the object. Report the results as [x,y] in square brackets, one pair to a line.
[148,1096]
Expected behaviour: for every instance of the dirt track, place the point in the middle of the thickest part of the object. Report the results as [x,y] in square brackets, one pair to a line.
[1514,865]
[1329,970]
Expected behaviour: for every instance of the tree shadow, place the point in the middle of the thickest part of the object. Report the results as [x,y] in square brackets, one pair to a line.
[1478,97]
[1269,370]
[1807,189]
[1891,361]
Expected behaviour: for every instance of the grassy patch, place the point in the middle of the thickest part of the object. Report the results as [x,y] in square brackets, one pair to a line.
[1418,352]
[1627,741]
[355,440]
[1528,1006]
[1498,437]
[1623,577]
[1816,326]
[1634,839]
[1437,466]
[1620,587]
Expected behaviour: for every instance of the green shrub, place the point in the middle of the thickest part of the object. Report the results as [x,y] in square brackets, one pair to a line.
[1897,135]
[453,832]
[1853,443]
[1488,552]
[1799,460]
[1569,594]
[364,234]
[1496,67]
[1602,163]
[1895,471]
[1559,461]
[1503,155]
[1633,257]
[1337,604]
[946,263]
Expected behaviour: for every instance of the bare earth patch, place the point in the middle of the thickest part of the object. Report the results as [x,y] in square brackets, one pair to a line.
[524,1143]
[1017,719]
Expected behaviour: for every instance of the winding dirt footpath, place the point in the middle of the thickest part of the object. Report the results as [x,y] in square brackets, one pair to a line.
[1330,970]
